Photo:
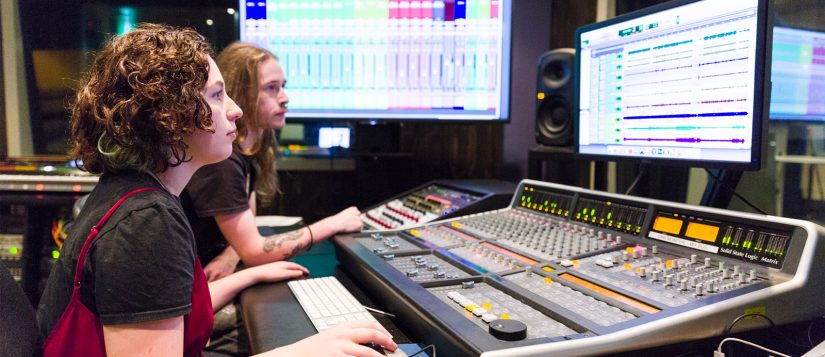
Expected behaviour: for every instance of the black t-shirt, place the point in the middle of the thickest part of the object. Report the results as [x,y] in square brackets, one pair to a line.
[139,268]
[218,189]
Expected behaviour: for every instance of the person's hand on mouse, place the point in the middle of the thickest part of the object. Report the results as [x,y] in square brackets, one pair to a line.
[342,340]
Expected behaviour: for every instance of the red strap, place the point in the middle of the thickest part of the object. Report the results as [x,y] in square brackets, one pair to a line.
[78,273]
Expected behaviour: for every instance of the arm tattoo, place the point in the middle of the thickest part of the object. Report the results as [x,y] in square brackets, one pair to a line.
[295,251]
[278,240]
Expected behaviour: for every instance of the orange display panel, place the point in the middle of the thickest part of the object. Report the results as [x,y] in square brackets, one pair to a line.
[669,225]
[702,231]
[609,293]
[510,254]
[460,234]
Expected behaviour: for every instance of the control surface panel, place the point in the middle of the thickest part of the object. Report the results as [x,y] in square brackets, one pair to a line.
[437,200]
[582,272]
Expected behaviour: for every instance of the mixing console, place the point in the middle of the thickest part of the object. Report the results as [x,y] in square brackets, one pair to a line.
[588,273]
[427,267]
[604,312]
[482,304]
[437,200]
[388,243]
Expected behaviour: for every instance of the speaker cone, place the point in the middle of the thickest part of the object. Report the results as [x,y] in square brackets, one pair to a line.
[554,116]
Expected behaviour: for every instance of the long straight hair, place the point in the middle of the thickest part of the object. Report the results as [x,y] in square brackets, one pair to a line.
[240,63]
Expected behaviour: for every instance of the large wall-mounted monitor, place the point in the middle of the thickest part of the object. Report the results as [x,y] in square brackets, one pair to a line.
[798,75]
[390,59]
[682,83]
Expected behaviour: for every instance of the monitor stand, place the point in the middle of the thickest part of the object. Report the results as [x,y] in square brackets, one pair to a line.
[717,196]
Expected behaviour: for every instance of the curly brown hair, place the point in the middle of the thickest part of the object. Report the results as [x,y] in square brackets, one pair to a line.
[240,63]
[143,94]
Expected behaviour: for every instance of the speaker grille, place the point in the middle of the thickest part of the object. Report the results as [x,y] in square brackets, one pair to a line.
[554,116]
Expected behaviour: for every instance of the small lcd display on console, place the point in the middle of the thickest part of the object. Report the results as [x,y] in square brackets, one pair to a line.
[763,246]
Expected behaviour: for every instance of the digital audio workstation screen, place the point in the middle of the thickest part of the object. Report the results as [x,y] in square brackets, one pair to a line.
[388,59]
[798,75]
[677,84]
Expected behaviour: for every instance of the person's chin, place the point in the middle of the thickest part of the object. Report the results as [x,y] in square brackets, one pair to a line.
[278,123]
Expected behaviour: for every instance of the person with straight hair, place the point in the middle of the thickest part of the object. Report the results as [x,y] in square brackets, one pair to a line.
[128,281]
[224,221]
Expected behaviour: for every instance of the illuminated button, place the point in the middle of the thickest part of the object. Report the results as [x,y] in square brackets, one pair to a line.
[540,96]
[566,263]
[471,306]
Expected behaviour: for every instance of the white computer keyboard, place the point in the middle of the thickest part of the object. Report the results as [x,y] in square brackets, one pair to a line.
[327,302]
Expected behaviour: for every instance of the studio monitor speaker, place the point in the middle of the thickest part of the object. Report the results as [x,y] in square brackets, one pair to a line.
[554,99]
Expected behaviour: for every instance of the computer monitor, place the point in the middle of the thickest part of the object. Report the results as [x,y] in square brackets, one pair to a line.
[683,83]
[388,60]
[798,75]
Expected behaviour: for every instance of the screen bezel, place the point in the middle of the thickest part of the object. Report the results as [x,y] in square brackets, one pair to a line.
[506,9]
[764,36]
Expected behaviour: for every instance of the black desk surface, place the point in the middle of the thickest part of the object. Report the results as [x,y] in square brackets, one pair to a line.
[274,317]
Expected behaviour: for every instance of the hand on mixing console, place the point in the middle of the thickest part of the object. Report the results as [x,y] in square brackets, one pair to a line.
[278,271]
[343,340]
[223,265]
[348,220]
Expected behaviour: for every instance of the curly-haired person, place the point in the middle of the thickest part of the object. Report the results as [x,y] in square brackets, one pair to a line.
[152,111]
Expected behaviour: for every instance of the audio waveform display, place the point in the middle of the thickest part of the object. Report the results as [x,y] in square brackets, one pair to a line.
[672,44]
[659,105]
[686,86]
[672,80]
[722,101]
[659,70]
[725,61]
[723,74]
[687,127]
[720,35]
[689,140]
[702,115]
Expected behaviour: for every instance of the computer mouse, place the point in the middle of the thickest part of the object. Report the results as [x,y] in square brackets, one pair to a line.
[375,347]
[385,352]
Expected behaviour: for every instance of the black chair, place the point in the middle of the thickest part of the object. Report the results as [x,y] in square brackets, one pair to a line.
[18,325]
